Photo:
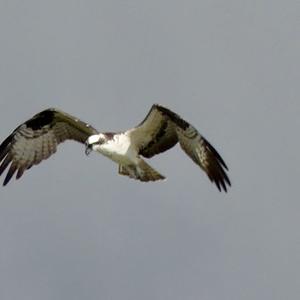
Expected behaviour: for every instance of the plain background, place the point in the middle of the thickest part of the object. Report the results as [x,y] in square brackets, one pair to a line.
[74,229]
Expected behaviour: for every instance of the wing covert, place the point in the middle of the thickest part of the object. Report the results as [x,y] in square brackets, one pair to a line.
[155,134]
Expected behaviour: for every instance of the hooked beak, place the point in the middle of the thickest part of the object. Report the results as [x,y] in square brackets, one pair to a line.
[88,149]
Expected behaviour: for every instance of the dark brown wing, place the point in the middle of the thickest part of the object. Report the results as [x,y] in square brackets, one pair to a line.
[199,150]
[161,130]
[37,139]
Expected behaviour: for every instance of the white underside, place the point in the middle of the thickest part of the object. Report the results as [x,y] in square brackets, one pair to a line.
[119,150]
[122,151]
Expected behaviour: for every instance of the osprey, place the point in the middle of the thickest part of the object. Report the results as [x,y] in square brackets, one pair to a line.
[38,138]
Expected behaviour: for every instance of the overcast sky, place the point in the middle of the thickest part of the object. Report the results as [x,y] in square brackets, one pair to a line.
[72,228]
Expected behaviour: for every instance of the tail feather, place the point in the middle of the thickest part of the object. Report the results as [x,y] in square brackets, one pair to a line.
[142,172]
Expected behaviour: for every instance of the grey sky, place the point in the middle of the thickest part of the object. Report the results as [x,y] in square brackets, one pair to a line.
[73,229]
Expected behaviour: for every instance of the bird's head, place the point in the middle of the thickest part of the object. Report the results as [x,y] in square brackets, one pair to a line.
[93,142]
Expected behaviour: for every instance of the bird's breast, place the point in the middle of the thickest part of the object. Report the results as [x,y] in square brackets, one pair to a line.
[118,150]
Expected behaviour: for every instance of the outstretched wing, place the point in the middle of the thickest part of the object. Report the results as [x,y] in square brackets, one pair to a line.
[37,139]
[162,129]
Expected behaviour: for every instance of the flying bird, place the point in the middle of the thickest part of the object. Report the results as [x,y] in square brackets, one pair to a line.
[38,138]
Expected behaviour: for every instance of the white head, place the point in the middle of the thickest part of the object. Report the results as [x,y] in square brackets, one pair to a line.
[93,142]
